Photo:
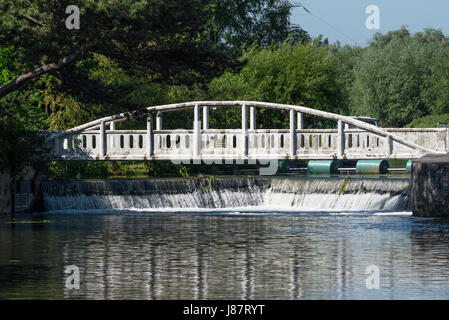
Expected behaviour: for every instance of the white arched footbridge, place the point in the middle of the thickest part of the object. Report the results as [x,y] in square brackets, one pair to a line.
[353,139]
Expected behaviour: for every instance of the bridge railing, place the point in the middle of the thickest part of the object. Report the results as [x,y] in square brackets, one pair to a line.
[97,142]
[262,143]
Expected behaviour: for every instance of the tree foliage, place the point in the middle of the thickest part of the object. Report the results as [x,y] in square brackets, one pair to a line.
[299,74]
[248,22]
[430,121]
[6,63]
[132,54]
[158,38]
[401,77]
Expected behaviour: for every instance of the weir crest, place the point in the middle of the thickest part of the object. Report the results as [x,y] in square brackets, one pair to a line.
[282,193]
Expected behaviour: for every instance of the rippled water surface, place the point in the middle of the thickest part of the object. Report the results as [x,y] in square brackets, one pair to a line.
[224,255]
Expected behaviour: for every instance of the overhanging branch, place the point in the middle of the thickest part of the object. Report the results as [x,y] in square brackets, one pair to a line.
[29,18]
[21,80]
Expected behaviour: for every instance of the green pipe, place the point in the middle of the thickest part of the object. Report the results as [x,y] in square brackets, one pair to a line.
[323,167]
[408,167]
[372,166]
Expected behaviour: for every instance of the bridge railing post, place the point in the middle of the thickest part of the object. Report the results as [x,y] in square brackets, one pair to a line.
[103,139]
[292,134]
[205,117]
[159,121]
[252,118]
[300,121]
[341,139]
[197,132]
[150,136]
[244,130]
[389,145]
[447,139]
[56,147]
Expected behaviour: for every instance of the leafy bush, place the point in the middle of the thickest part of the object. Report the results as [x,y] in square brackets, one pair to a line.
[428,121]
[61,170]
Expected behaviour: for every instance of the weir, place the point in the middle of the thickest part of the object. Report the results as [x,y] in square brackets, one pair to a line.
[260,193]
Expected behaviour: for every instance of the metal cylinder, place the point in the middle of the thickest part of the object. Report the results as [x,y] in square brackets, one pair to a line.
[323,167]
[372,167]
[408,166]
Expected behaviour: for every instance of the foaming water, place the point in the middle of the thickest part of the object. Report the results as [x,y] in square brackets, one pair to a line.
[242,193]
[348,202]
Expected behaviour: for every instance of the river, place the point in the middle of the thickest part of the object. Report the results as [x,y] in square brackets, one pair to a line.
[245,252]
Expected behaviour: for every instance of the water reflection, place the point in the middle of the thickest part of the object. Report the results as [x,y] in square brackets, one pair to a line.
[200,256]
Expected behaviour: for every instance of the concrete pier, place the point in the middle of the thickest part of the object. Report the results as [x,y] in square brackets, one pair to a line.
[5,192]
[430,187]
[25,189]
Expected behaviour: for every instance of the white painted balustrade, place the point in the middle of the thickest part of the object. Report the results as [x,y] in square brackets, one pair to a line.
[100,140]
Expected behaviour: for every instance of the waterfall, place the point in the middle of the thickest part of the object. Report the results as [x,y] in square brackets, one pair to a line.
[290,193]
[339,194]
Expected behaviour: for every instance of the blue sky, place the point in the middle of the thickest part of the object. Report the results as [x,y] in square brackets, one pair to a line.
[348,17]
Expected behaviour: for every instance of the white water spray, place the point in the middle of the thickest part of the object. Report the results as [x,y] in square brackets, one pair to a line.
[302,194]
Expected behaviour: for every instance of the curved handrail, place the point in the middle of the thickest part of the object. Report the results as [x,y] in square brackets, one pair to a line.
[305,110]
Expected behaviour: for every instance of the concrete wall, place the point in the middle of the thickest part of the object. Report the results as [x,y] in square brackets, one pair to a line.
[430,187]
[24,194]
[5,193]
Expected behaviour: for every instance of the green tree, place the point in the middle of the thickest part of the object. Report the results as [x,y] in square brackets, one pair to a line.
[247,22]
[299,74]
[436,85]
[392,77]
[155,38]
[346,59]
[18,121]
